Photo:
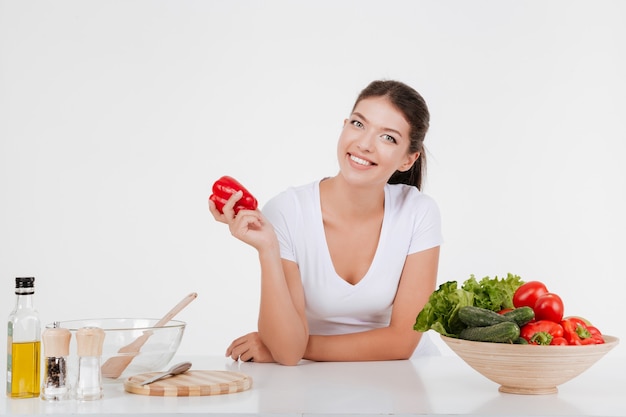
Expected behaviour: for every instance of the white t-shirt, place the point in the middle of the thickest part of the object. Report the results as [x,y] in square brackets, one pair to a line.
[411,223]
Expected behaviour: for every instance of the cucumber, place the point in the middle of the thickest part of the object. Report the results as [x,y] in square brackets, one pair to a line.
[473,316]
[520,341]
[477,317]
[504,332]
[520,315]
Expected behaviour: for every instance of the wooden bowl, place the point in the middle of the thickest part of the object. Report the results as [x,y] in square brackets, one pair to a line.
[529,369]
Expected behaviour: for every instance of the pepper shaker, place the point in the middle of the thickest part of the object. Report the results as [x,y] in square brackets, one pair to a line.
[89,342]
[56,345]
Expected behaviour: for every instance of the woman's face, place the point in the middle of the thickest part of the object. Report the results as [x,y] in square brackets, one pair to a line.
[374,143]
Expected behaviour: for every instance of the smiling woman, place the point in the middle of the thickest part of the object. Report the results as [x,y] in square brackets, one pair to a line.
[115,117]
[347,261]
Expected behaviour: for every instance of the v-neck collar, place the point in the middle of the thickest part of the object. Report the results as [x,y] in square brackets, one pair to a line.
[322,237]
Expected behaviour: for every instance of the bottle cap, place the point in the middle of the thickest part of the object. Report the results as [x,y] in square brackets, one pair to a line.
[89,341]
[25,285]
[24,282]
[56,342]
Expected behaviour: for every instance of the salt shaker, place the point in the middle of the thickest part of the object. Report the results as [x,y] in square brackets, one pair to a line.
[89,341]
[56,346]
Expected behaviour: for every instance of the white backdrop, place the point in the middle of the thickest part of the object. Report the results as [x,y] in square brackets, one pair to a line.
[117,116]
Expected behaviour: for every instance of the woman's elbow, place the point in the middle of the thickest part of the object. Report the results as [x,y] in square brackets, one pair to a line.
[287,355]
[287,359]
[405,350]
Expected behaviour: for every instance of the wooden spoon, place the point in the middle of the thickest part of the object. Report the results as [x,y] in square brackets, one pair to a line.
[115,365]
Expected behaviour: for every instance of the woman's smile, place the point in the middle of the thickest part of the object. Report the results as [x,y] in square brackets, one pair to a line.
[360,161]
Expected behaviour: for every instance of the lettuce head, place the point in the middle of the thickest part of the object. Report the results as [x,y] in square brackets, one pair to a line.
[440,313]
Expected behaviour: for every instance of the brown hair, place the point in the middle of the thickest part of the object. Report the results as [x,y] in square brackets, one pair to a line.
[413,107]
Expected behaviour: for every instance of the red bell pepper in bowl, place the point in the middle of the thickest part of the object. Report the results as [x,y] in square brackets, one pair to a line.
[542,332]
[577,332]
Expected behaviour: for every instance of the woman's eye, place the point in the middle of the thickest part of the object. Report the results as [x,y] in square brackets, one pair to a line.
[356,123]
[389,138]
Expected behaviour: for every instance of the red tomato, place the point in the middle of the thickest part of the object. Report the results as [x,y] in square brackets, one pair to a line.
[549,306]
[526,295]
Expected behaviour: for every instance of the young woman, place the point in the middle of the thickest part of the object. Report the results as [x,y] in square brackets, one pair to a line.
[347,262]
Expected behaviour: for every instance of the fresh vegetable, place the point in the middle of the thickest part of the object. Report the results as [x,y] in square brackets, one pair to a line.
[549,306]
[474,316]
[520,315]
[577,332]
[526,295]
[595,334]
[579,320]
[224,188]
[541,332]
[558,341]
[477,316]
[505,332]
[493,293]
[491,309]
[520,341]
[584,320]
[441,312]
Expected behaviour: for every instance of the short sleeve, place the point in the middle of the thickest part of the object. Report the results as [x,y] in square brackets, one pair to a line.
[427,228]
[280,212]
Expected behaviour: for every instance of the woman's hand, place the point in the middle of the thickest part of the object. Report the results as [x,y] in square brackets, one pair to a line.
[249,348]
[249,226]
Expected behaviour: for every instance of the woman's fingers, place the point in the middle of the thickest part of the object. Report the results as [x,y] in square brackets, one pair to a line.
[227,215]
[216,213]
[229,207]
[239,349]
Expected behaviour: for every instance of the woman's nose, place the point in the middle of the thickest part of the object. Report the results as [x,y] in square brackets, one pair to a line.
[366,142]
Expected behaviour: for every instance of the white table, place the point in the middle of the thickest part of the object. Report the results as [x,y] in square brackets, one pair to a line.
[430,385]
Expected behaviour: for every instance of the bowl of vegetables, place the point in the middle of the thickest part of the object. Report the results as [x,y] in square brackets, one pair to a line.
[513,333]
[529,369]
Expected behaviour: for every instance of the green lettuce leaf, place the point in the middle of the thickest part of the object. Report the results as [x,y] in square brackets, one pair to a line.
[440,313]
[493,293]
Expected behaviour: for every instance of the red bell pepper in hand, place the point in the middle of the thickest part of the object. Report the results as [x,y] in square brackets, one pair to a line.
[541,332]
[224,188]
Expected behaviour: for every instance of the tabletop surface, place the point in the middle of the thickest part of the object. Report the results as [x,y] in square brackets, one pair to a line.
[428,385]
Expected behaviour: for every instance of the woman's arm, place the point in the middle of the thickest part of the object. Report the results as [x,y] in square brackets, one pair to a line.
[398,340]
[282,336]
[283,329]
[282,322]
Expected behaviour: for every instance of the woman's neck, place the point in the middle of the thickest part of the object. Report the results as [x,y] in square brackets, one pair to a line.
[347,200]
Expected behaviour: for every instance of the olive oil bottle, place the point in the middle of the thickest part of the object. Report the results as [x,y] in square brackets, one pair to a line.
[24,343]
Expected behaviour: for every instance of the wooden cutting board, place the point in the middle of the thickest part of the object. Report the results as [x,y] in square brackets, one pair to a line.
[191,383]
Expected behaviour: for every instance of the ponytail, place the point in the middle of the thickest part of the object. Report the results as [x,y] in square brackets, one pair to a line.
[412,176]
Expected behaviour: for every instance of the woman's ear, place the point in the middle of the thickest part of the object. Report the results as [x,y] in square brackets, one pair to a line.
[410,160]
